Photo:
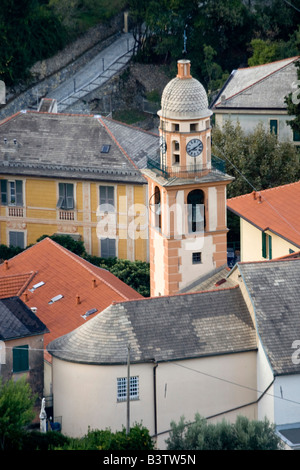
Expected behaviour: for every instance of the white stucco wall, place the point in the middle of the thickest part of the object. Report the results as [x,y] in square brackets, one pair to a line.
[251,243]
[249,122]
[86,395]
[286,399]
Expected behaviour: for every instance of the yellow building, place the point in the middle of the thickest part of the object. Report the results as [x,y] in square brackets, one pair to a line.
[68,174]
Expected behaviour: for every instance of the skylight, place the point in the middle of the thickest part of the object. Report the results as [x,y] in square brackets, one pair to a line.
[36,286]
[89,312]
[55,299]
[105,148]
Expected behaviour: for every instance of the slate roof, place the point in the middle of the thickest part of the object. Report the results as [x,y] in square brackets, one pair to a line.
[215,279]
[64,146]
[277,210]
[136,142]
[18,321]
[162,329]
[274,290]
[262,86]
[64,273]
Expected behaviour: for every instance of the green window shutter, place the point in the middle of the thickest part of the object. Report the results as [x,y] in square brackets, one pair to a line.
[69,196]
[20,358]
[270,246]
[19,193]
[4,192]
[264,245]
[65,196]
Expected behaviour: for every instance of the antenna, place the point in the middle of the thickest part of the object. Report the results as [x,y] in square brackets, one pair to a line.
[184,41]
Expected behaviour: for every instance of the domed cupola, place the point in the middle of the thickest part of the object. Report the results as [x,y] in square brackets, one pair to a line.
[184,97]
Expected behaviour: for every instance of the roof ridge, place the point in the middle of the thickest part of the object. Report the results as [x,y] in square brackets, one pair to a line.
[259,191]
[118,144]
[291,59]
[179,294]
[125,124]
[257,81]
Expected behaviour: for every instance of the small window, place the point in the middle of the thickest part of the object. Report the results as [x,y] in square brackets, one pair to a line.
[193,127]
[17,239]
[108,248]
[274,126]
[176,127]
[122,388]
[20,358]
[105,148]
[197,258]
[66,196]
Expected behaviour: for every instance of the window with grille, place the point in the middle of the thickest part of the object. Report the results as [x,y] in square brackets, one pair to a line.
[196,258]
[122,388]
[20,358]
[66,196]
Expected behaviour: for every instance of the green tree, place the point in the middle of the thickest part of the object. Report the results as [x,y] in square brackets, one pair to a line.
[293,104]
[241,435]
[256,159]
[16,411]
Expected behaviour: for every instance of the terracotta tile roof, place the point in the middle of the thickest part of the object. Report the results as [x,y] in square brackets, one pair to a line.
[14,285]
[84,287]
[275,209]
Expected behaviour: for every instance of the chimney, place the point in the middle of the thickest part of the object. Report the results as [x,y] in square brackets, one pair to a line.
[259,199]
[254,195]
[25,296]
[78,299]
[94,283]
[6,265]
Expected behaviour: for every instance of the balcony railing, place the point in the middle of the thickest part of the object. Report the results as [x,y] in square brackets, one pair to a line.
[186,171]
[66,215]
[15,211]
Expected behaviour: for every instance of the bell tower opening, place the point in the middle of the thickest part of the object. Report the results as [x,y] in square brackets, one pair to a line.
[196,211]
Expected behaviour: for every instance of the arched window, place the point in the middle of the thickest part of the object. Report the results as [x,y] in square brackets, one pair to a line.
[196,211]
[157,207]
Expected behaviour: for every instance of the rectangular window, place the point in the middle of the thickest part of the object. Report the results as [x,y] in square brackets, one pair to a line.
[20,358]
[122,388]
[193,127]
[107,198]
[274,126]
[17,239]
[66,196]
[12,192]
[108,248]
[197,258]
[296,136]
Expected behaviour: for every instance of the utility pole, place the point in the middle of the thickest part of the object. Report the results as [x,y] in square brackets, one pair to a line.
[128,391]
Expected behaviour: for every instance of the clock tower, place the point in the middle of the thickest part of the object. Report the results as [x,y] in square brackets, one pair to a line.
[187,190]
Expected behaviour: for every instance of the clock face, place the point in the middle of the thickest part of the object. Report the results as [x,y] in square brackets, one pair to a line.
[194,147]
[163,145]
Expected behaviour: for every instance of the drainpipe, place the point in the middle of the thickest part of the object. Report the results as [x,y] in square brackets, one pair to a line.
[154,397]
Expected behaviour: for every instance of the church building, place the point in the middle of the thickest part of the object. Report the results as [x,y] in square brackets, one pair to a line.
[186,190]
